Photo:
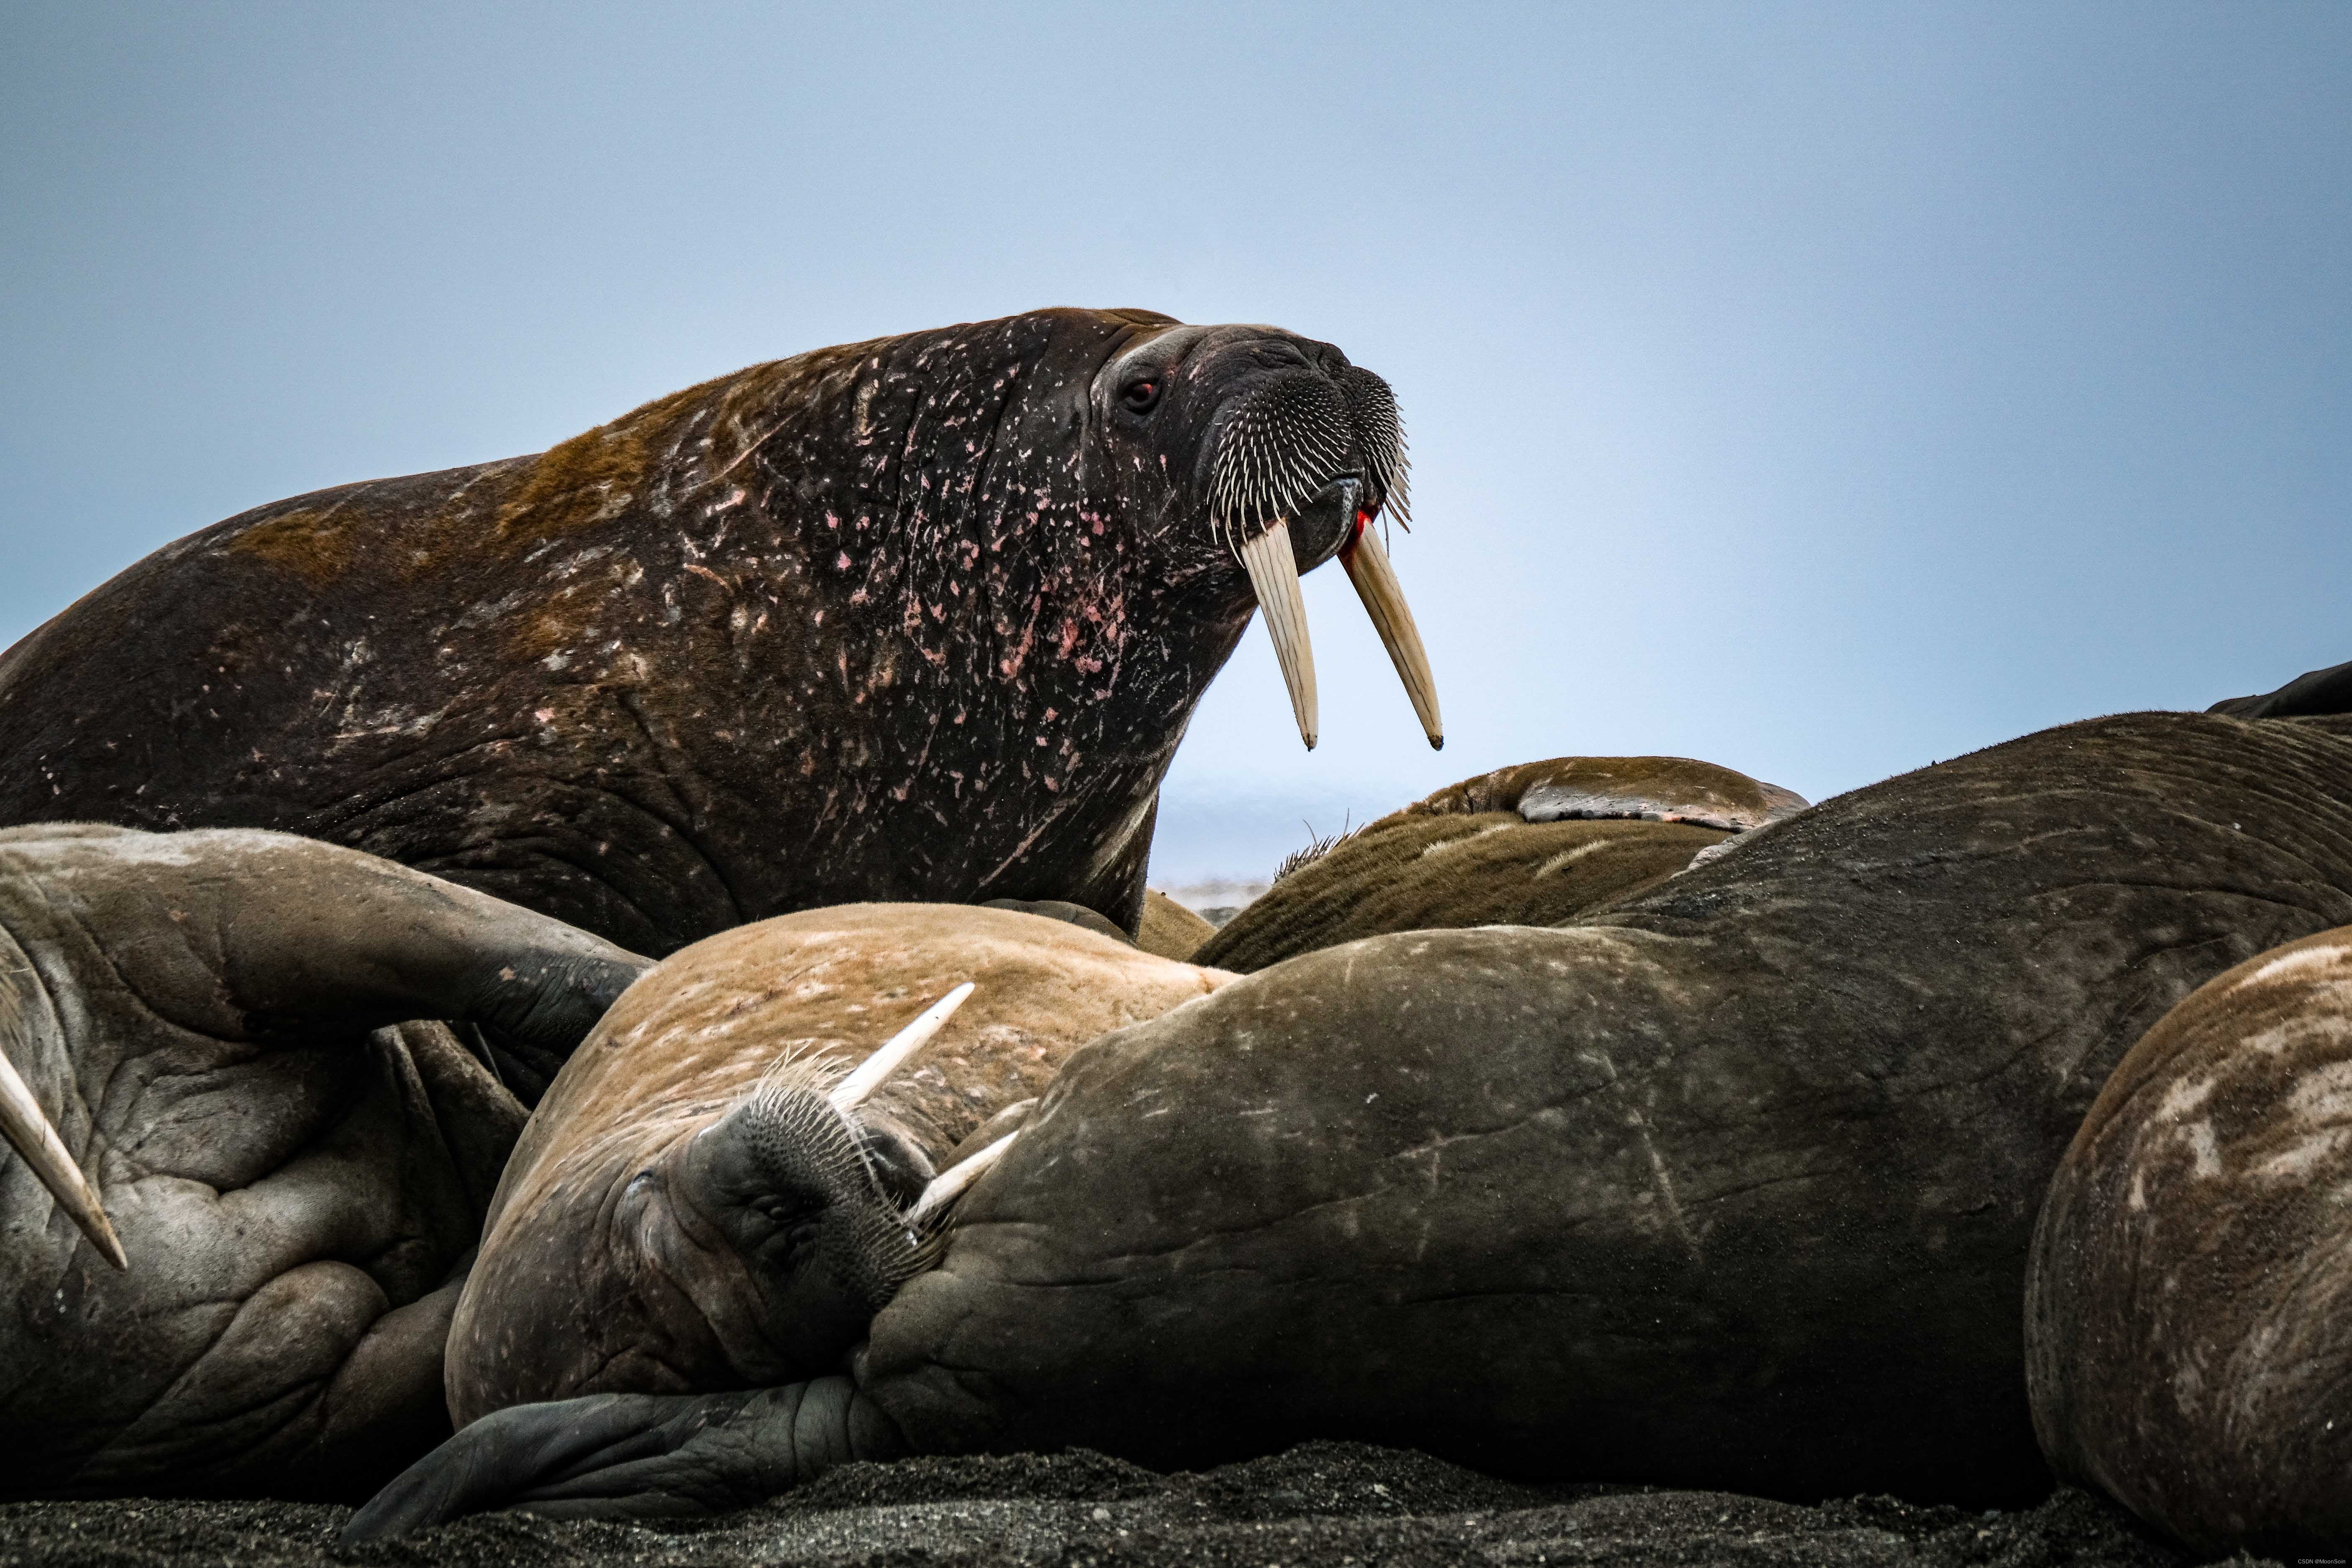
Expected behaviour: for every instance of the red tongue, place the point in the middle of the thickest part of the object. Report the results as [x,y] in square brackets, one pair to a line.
[1363,519]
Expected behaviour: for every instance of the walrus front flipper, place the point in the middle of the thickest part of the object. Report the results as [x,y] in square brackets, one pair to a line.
[2305,697]
[634,1455]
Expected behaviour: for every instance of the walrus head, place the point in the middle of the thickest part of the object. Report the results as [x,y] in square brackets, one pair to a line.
[1285,454]
[823,1200]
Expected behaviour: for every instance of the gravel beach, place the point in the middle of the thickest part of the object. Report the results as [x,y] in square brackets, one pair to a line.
[1327,1503]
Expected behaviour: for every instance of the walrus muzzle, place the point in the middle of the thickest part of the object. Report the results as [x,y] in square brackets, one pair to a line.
[1329,456]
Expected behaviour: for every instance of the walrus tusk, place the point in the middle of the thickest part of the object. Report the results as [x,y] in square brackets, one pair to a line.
[1274,573]
[852,1091]
[950,1183]
[1376,583]
[28,1132]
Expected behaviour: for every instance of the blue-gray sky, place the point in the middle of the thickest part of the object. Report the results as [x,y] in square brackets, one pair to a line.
[1819,390]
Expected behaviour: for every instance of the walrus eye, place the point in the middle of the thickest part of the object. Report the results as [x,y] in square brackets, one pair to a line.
[1141,396]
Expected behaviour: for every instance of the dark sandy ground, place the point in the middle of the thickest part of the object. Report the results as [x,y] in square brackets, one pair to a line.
[1327,1503]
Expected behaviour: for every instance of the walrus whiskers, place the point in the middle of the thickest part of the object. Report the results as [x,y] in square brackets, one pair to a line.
[1273,572]
[1276,456]
[851,1091]
[949,1185]
[28,1130]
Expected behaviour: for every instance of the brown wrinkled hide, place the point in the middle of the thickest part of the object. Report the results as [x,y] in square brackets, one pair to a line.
[2189,1313]
[213,1022]
[1731,1185]
[1530,844]
[918,619]
[582,1288]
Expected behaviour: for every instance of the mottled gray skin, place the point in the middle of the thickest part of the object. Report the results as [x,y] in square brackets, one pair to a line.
[1731,1187]
[214,1023]
[2189,1314]
[919,618]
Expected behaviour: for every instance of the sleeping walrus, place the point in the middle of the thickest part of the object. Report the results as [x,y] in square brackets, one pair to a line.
[709,1197]
[1729,1187]
[245,1187]
[1536,844]
[918,619]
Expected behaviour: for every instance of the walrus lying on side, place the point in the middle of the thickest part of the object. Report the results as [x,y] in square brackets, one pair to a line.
[1730,1187]
[686,1214]
[245,1187]
[1532,845]
[917,619]
[2188,1315]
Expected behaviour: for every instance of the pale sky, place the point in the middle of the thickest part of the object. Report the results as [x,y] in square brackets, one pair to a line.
[1819,390]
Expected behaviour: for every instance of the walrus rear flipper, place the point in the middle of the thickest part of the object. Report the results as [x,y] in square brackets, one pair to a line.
[634,1455]
[2305,697]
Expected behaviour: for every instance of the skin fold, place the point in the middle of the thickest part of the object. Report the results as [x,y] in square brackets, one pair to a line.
[917,619]
[1731,1186]
[219,1025]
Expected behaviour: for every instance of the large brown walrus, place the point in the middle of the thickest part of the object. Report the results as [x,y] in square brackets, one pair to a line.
[918,619]
[1731,1186]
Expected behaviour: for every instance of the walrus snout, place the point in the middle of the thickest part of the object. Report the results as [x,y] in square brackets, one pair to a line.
[1303,457]
[788,1178]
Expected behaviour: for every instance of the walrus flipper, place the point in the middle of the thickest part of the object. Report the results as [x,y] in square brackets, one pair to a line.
[2307,696]
[634,1455]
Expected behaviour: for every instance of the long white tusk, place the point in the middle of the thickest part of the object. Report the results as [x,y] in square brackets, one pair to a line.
[1376,583]
[1273,572]
[28,1129]
[950,1183]
[851,1091]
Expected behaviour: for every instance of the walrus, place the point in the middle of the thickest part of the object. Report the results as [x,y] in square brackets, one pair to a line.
[2312,693]
[246,1184]
[1531,845]
[1729,1188]
[2189,1312]
[699,1204]
[922,618]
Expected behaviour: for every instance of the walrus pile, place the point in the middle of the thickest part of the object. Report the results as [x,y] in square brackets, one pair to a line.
[918,619]
[1611,1121]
